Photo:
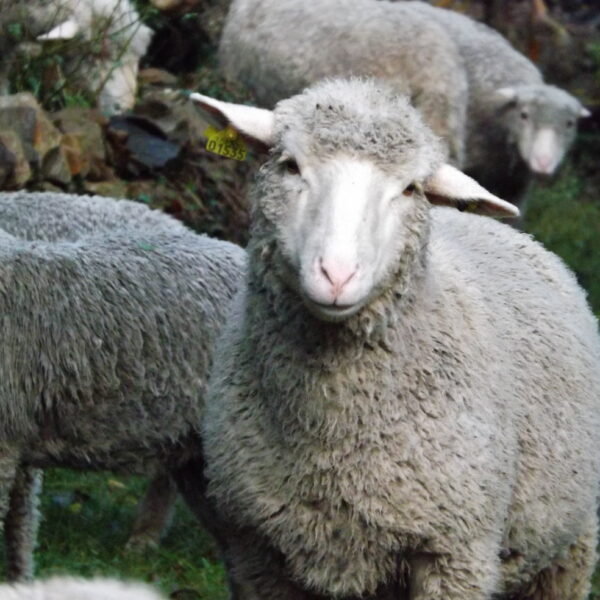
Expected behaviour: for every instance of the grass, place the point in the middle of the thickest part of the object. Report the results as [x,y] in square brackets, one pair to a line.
[86,522]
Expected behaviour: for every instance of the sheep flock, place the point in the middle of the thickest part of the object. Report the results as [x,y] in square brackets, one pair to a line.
[392,393]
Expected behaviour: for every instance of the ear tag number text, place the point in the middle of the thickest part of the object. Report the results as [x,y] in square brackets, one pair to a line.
[225,142]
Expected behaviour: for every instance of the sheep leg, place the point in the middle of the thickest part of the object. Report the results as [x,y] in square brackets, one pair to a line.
[569,577]
[21,523]
[465,576]
[9,463]
[154,512]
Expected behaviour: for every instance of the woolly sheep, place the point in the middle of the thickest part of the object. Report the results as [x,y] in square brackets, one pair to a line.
[71,588]
[406,398]
[264,47]
[111,74]
[447,62]
[516,123]
[109,315]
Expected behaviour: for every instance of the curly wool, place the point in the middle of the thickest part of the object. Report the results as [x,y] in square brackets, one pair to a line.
[456,416]
[110,314]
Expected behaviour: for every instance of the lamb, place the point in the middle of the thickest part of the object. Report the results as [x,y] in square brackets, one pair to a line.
[514,123]
[110,311]
[264,47]
[111,73]
[406,398]
[72,588]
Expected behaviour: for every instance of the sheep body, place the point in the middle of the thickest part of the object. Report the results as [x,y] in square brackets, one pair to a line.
[263,46]
[441,439]
[72,588]
[120,306]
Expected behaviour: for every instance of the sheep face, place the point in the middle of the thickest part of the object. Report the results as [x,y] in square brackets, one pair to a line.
[542,122]
[351,171]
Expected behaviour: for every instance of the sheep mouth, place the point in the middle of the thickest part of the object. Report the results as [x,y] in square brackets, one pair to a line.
[332,312]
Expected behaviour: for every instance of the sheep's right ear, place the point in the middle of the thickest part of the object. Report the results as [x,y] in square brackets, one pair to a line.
[256,124]
[450,187]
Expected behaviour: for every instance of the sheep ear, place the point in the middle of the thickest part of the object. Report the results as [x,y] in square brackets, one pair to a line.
[450,187]
[505,96]
[65,31]
[257,124]
[584,113]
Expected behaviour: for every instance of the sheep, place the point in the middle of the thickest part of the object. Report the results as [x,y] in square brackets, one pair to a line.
[72,588]
[263,46]
[109,315]
[514,123]
[109,73]
[405,400]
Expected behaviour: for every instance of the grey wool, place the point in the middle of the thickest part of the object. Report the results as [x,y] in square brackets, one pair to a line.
[109,314]
[405,401]
[278,47]
[73,588]
[488,102]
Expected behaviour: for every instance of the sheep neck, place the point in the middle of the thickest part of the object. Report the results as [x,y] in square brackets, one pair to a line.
[309,369]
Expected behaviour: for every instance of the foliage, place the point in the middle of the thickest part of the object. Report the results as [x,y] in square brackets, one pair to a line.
[567,221]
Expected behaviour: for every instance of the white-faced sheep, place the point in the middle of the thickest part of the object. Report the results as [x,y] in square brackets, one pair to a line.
[516,123]
[113,26]
[72,588]
[406,398]
[264,47]
[109,313]
[446,62]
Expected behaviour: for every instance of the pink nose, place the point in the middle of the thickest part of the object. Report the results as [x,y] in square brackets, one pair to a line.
[542,163]
[337,274]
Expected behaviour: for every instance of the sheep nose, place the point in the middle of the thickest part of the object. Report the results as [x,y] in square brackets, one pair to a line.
[543,163]
[337,274]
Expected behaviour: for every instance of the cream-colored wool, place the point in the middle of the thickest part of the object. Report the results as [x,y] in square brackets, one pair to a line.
[439,442]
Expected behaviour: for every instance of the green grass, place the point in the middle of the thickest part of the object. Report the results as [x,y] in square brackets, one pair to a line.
[86,522]
[564,215]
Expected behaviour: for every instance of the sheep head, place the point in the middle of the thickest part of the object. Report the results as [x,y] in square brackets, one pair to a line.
[347,189]
[541,121]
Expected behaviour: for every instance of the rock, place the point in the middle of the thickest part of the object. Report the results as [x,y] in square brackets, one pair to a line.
[152,76]
[114,188]
[15,171]
[83,129]
[22,113]
[55,166]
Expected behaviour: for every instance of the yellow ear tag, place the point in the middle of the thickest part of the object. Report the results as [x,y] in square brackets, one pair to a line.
[225,142]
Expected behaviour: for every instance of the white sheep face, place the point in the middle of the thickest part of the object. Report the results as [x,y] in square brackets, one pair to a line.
[344,187]
[342,230]
[542,122]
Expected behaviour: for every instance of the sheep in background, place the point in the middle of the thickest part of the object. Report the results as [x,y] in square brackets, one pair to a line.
[516,123]
[405,400]
[447,62]
[110,72]
[110,313]
[72,588]
[264,46]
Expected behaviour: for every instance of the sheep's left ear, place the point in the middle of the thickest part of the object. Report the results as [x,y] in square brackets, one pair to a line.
[584,113]
[65,31]
[256,124]
[450,187]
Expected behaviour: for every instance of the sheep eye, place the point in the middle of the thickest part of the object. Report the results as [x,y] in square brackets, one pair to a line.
[524,115]
[291,166]
[570,123]
[410,189]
